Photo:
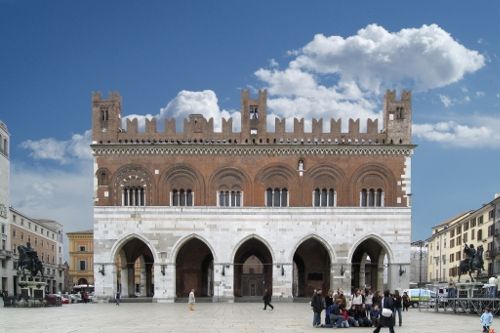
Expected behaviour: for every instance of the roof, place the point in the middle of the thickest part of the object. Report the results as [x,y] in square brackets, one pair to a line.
[89,231]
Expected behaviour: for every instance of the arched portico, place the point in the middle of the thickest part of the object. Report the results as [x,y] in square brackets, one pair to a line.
[253,268]
[134,263]
[194,265]
[311,267]
[369,258]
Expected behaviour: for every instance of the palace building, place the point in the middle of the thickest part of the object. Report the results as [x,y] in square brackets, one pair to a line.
[231,213]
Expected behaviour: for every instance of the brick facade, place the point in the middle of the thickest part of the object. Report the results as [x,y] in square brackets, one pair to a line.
[338,182]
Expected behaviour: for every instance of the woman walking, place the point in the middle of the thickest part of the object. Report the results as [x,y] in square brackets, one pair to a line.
[387,313]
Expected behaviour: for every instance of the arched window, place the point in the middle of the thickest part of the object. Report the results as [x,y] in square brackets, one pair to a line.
[182,197]
[372,197]
[277,197]
[364,198]
[133,196]
[229,198]
[102,178]
[324,197]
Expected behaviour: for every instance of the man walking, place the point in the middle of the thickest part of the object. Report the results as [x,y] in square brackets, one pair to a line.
[267,299]
[191,300]
[117,297]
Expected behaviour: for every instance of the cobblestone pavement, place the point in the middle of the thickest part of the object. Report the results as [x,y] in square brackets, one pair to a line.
[207,317]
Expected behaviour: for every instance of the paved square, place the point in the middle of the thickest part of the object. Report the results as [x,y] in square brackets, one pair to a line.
[208,317]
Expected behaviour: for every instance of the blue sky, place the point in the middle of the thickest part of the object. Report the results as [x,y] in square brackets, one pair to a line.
[316,58]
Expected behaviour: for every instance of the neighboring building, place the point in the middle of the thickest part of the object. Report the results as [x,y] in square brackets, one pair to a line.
[81,257]
[418,269]
[6,264]
[448,239]
[67,285]
[45,237]
[231,213]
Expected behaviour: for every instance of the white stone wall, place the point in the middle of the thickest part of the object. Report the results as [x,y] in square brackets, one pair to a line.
[166,229]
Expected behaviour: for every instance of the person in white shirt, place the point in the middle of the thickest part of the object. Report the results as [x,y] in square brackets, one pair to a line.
[492,288]
[191,300]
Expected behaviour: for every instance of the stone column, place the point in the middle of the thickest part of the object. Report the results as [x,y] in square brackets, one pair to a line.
[170,289]
[283,282]
[223,282]
[130,280]
[362,271]
[341,276]
[160,281]
[104,282]
[142,273]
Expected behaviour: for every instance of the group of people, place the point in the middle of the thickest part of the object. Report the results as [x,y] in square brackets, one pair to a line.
[362,309]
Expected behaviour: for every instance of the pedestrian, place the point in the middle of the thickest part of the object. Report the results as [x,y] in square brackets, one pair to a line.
[398,306]
[267,299]
[117,297]
[328,306]
[406,301]
[368,302]
[492,288]
[191,300]
[387,313]
[486,319]
[317,305]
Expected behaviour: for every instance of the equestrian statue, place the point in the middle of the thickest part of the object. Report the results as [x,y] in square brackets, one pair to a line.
[473,262]
[28,260]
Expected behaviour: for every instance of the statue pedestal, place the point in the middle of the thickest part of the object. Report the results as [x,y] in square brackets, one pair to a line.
[32,290]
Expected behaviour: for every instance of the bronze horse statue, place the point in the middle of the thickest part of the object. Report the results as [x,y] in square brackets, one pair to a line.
[28,260]
[472,263]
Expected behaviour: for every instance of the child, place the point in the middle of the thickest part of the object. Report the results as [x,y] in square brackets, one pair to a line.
[486,319]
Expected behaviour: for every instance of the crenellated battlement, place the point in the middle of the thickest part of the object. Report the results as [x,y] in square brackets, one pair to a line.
[107,126]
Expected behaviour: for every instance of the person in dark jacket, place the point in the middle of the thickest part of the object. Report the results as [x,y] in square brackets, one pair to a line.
[317,305]
[328,306]
[267,299]
[386,302]
[398,306]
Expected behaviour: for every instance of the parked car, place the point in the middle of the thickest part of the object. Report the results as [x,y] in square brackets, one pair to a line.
[75,298]
[65,299]
[53,300]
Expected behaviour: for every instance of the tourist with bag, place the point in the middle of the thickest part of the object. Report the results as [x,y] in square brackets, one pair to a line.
[387,313]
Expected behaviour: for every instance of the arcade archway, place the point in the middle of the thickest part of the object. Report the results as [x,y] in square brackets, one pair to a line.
[134,262]
[368,265]
[311,268]
[194,269]
[253,269]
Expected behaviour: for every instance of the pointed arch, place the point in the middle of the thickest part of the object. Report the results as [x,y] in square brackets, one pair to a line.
[249,237]
[117,246]
[378,239]
[322,241]
[183,240]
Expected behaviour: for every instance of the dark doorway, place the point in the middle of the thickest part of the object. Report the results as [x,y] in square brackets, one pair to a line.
[253,269]
[194,269]
[311,268]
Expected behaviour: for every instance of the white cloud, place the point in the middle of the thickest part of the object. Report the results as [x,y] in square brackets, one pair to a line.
[337,77]
[483,133]
[447,102]
[426,57]
[78,147]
